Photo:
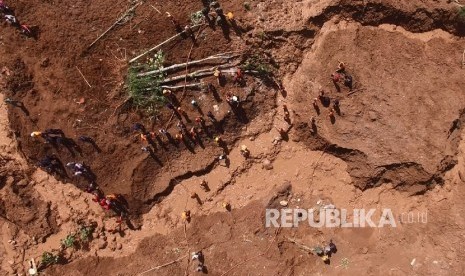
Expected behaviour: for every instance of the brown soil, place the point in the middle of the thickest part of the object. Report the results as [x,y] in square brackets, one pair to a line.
[393,145]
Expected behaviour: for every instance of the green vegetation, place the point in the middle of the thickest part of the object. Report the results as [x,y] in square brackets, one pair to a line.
[85,233]
[145,92]
[197,18]
[258,64]
[247,6]
[69,241]
[462,13]
[49,259]
[77,240]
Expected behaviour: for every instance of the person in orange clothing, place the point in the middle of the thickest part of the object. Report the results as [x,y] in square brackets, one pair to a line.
[193,133]
[37,134]
[239,76]
[148,137]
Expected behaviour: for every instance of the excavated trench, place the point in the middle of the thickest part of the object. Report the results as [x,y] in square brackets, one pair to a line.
[406,176]
[375,14]
[364,172]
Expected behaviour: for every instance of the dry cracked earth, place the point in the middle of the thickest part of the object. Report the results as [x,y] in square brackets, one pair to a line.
[397,142]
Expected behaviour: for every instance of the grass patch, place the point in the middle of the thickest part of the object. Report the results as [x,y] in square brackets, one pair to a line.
[255,63]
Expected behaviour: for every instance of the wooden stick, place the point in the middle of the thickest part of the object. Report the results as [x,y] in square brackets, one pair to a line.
[301,246]
[164,42]
[199,73]
[176,66]
[116,23]
[187,65]
[120,105]
[155,9]
[164,265]
[84,77]
[177,87]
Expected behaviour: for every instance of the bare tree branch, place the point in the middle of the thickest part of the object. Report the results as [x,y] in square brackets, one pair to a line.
[164,42]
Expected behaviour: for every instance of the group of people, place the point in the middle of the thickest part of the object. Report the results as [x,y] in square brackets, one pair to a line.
[188,135]
[326,252]
[213,14]
[52,164]
[340,75]
[11,19]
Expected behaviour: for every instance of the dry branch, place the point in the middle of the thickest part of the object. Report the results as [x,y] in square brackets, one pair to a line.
[82,75]
[177,87]
[187,67]
[198,73]
[164,42]
[176,66]
[155,9]
[164,265]
[301,246]
[131,9]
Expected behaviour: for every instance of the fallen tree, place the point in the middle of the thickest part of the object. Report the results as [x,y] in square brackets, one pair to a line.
[223,56]
[198,74]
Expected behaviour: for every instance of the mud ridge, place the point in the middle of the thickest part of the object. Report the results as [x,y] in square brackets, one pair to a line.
[374,14]
[157,198]
[404,176]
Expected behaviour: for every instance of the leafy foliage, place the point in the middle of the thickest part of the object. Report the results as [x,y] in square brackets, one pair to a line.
[146,92]
[247,6]
[85,233]
[49,259]
[197,18]
[255,63]
[69,241]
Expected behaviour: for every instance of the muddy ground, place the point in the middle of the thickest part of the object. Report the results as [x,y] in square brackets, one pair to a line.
[396,143]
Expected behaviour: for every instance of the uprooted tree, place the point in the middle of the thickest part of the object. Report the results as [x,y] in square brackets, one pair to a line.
[145,91]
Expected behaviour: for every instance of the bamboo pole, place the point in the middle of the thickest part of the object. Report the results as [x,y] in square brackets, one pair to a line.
[177,87]
[116,23]
[164,42]
[176,66]
[164,265]
[199,73]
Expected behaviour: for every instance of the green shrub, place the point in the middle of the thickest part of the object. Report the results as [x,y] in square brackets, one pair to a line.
[69,241]
[255,63]
[85,233]
[49,259]
[145,92]
[197,18]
